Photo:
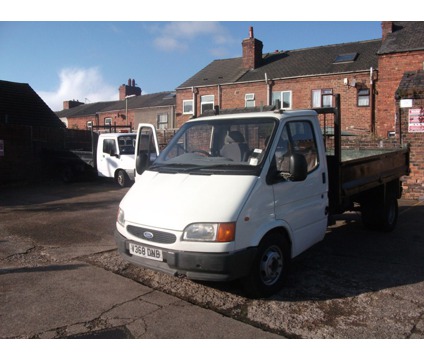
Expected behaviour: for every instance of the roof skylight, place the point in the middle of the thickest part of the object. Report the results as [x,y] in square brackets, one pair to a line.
[345,57]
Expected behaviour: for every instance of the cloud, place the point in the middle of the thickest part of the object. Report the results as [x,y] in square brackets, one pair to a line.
[85,85]
[177,36]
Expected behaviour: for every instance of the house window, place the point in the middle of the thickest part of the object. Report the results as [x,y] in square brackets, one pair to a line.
[285,98]
[187,106]
[364,97]
[89,125]
[108,121]
[206,103]
[249,100]
[322,98]
[162,121]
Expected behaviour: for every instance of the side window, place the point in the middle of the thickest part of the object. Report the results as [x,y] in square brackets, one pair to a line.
[109,146]
[297,137]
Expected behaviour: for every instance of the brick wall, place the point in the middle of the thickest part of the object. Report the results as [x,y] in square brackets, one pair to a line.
[390,69]
[355,119]
[118,118]
[413,186]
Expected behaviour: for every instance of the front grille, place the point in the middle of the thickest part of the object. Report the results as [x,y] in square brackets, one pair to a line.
[158,236]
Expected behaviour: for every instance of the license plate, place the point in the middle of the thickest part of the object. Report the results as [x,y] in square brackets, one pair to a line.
[146,252]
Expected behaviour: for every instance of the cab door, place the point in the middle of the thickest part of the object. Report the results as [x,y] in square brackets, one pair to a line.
[147,148]
[107,158]
[301,203]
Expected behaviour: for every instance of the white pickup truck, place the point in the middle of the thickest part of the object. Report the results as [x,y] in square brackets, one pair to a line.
[112,156]
[240,195]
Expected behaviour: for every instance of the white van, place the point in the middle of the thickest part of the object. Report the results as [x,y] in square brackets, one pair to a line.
[214,206]
[115,157]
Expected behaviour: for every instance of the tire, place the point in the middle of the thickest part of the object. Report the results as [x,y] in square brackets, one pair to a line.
[381,216]
[389,214]
[122,178]
[269,268]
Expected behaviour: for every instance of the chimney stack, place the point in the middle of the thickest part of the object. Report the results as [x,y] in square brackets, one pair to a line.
[71,104]
[387,27]
[130,89]
[252,51]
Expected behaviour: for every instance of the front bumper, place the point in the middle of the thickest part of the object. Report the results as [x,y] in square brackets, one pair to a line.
[194,265]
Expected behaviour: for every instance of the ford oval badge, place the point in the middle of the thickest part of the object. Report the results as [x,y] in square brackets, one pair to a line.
[148,235]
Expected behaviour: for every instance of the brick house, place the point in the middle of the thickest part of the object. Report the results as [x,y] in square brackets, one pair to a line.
[301,78]
[365,73]
[131,109]
[402,50]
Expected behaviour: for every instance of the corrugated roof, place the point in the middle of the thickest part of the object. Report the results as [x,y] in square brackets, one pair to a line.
[20,104]
[406,36]
[288,64]
[165,98]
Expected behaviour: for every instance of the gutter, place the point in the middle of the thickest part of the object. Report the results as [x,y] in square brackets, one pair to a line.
[274,79]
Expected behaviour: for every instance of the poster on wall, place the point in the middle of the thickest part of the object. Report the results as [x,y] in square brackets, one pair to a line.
[416,120]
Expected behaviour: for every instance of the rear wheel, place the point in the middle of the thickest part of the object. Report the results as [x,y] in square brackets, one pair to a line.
[381,215]
[269,268]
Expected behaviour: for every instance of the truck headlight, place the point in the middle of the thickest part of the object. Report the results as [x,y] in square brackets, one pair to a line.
[120,218]
[220,232]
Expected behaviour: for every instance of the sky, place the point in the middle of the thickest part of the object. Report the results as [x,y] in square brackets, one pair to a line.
[75,58]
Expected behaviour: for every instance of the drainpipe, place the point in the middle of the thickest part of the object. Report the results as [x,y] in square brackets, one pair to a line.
[193,90]
[372,101]
[268,90]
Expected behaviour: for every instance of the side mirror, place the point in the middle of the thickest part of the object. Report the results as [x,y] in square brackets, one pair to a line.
[298,167]
[114,154]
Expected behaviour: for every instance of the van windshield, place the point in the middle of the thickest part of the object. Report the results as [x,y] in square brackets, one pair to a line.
[218,145]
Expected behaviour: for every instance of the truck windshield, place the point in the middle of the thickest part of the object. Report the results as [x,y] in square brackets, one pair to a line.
[224,145]
[127,144]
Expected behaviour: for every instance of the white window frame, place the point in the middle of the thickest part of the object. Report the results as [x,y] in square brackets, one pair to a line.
[249,100]
[206,100]
[363,98]
[89,124]
[188,103]
[322,98]
[280,96]
[162,121]
[108,121]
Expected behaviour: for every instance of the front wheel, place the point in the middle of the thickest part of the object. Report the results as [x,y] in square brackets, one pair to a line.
[122,178]
[269,267]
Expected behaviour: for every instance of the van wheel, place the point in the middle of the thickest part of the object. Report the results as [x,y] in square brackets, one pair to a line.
[122,178]
[381,216]
[269,267]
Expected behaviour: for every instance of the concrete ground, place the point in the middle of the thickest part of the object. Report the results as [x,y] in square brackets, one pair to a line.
[60,277]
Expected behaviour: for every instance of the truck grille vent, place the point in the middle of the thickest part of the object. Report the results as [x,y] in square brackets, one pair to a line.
[155,236]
